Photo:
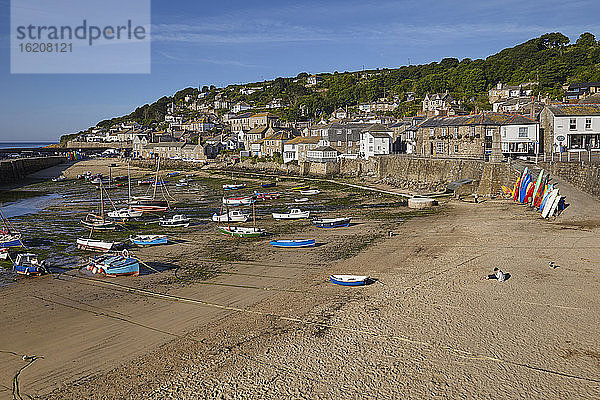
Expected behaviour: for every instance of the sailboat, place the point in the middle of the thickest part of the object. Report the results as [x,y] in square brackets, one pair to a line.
[242,232]
[8,236]
[147,203]
[126,213]
[98,222]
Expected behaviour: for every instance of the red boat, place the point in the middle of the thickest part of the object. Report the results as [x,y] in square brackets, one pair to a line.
[268,196]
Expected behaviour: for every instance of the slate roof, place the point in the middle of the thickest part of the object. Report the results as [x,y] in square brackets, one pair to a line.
[380,135]
[258,129]
[305,139]
[563,110]
[325,148]
[478,119]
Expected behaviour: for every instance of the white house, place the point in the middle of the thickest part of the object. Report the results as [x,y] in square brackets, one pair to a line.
[322,154]
[239,107]
[297,149]
[519,138]
[571,126]
[374,143]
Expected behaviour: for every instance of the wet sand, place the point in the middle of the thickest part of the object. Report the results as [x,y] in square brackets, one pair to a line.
[272,326]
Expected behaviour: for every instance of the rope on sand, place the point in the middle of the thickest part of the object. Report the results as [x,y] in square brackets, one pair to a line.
[16,392]
[458,352]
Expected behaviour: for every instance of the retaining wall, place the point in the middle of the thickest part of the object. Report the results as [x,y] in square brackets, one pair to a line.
[585,177]
[15,170]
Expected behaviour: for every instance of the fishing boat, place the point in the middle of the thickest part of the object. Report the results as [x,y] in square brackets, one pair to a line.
[349,280]
[310,192]
[125,213]
[293,243]
[301,200]
[28,264]
[238,201]
[176,221]
[234,187]
[241,232]
[98,222]
[3,253]
[8,236]
[268,185]
[295,213]
[148,240]
[300,187]
[331,222]
[95,245]
[231,216]
[267,196]
[114,265]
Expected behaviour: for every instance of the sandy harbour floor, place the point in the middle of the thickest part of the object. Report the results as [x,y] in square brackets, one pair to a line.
[272,326]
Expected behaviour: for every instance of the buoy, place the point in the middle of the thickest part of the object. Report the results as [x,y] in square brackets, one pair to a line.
[100,270]
[89,267]
[95,270]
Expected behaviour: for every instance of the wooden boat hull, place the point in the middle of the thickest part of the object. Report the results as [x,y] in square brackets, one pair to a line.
[241,232]
[99,226]
[349,280]
[238,201]
[114,265]
[151,240]
[3,253]
[309,192]
[268,185]
[267,196]
[28,264]
[10,241]
[233,187]
[125,214]
[332,222]
[94,245]
[230,218]
[298,215]
[302,187]
[293,243]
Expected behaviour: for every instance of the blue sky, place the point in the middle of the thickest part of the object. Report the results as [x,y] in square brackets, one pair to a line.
[197,42]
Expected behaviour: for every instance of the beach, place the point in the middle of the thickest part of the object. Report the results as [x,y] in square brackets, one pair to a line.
[219,318]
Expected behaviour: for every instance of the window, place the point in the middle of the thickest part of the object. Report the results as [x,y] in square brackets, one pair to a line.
[445,130]
[371,139]
[572,124]
[456,130]
[339,142]
[431,131]
[370,148]
[523,131]
[472,131]
[456,148]
[588,123]
[440,147]
[489,132]
[350,143]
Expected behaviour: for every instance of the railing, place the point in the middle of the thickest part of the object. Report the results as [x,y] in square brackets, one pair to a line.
[579,156]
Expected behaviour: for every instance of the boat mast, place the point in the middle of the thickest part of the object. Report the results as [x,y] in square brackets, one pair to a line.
[156,179]
[128,184]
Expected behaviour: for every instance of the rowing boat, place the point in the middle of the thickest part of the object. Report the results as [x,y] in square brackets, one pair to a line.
[331,222]
[293,243]
[241,232]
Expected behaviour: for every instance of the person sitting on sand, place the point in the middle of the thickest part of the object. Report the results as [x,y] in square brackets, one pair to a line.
[498,274]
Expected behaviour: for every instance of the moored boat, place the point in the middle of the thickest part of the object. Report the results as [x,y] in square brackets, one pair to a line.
[10,240]
[349,280]
[95,245]
[300,187]
[114,265]
[148,240]
[3,253]
[301,200]
[293,243]
[238,201]
[148,204]
[234,187]
[267,196]
[310,192]
[98,223]
[294,213]
[177,220]
[60,178]
[268,185]
[331,222]
[28,264]
[125,213]
[231,216]
[241,232]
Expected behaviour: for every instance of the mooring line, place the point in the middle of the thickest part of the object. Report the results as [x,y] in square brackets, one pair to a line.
[458,352]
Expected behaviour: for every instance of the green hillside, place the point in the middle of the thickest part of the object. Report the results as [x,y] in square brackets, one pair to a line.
[550,60]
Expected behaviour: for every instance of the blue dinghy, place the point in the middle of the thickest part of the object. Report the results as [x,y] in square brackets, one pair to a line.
[7,240]
[114,265]
[149,240]
[349,280]
[28,264]
[294,243]
[268,185]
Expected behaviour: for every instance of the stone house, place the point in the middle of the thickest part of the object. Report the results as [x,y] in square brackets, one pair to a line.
[297,148]
[254,135]
[322,154]
[501,91]
[274,140]
[578,91]
[476,136]
[440,104]
[375,140]
[262,118]
[571,126]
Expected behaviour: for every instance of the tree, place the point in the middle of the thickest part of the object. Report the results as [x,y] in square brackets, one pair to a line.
[555,39]
[586,39]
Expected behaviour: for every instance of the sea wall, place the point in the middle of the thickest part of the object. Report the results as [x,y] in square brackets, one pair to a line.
[585,177]
[15,170]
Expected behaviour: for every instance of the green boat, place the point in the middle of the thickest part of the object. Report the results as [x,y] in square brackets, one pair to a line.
[241,232]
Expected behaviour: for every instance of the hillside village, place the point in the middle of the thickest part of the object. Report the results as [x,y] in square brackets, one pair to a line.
[289,120]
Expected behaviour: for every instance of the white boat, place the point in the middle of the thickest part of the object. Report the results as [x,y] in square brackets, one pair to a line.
[241,232]
[349,280]
[3,253]
[232,216]
[238,201]
[59,178]
[309,192]
[125,213]
[301,200]
[94,244]
[234,187]
[294,213]
[178,220]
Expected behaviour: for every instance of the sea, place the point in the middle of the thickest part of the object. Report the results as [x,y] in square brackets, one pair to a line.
[20,145]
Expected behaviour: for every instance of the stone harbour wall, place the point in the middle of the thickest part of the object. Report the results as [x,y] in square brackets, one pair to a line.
[585,177]
[17,169]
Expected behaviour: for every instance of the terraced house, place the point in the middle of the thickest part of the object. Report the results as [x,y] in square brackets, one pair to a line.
[571,127]
[474,136]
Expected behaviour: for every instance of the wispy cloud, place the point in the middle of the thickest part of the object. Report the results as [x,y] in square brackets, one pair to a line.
[205,60]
